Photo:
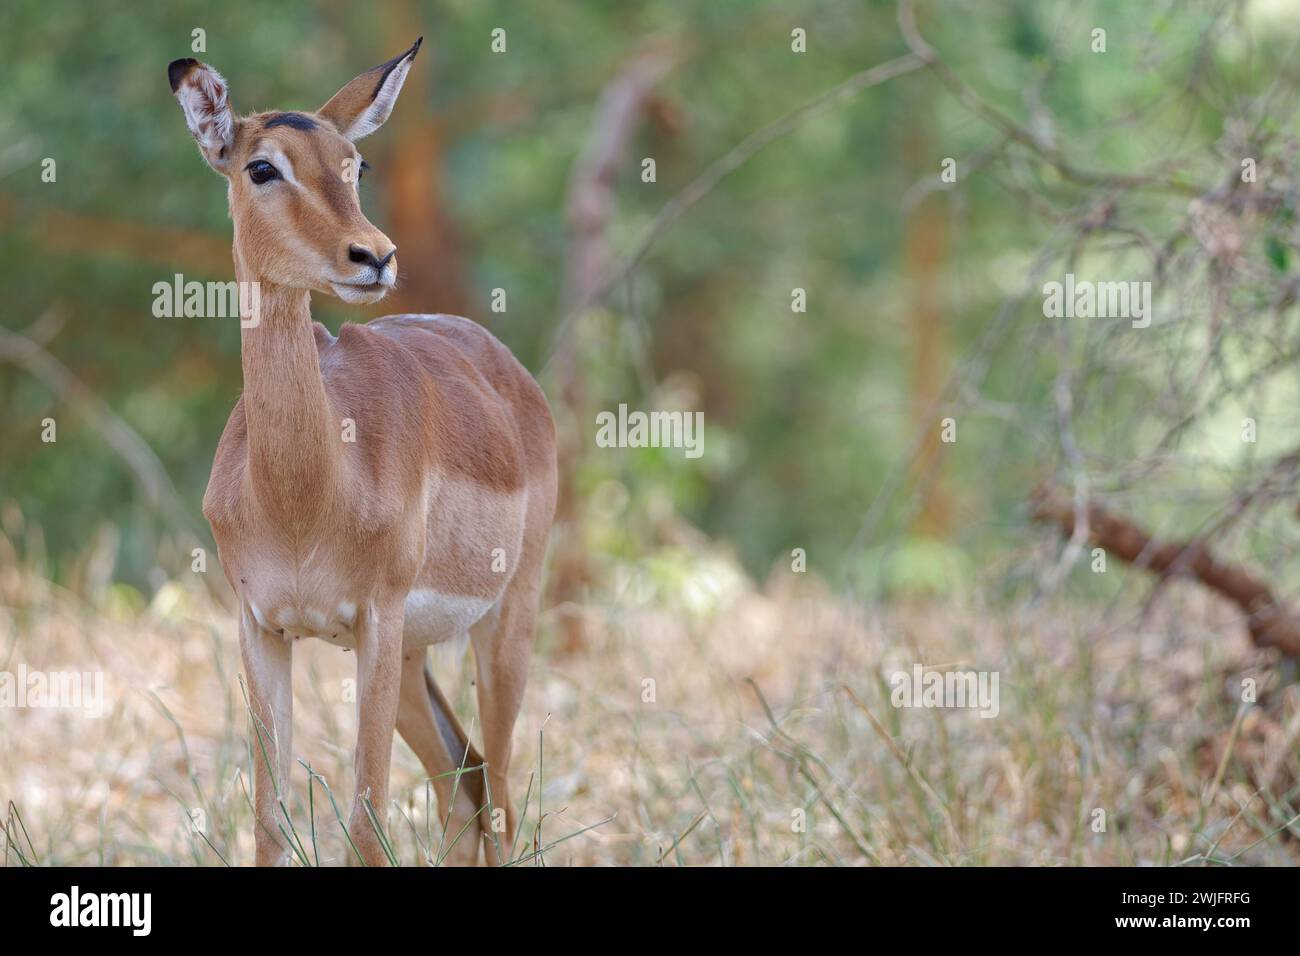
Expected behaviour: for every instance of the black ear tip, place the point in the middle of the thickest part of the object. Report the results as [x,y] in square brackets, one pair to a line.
[178,69]
[416,48]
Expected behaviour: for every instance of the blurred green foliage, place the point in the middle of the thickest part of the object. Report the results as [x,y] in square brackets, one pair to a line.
[807,415]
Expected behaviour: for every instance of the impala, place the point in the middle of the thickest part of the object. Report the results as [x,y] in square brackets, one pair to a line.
[385,490]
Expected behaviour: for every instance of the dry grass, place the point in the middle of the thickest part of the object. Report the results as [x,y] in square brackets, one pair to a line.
[1123,713]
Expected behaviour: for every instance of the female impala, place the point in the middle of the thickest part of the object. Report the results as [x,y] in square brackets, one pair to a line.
[385,490]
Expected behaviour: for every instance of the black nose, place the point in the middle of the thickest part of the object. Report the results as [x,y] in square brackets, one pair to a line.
[363,256]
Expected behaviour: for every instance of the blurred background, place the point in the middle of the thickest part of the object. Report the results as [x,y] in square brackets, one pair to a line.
[829,530]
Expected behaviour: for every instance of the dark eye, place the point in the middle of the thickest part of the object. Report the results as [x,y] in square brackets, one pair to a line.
[361,170]
[260,171]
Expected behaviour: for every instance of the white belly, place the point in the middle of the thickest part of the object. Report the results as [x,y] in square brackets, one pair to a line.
[433,617]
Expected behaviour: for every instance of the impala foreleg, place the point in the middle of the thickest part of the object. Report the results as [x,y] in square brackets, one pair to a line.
[379,677]
[268,660]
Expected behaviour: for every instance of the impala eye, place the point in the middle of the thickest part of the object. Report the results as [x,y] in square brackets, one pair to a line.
[361,170]
[260,171]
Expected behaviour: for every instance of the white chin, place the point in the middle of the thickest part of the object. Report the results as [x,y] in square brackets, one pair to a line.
[359,295]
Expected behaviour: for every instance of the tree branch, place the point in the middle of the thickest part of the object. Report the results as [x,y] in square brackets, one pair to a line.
[147,470]
[728,163]
[969,98]
[1271,624]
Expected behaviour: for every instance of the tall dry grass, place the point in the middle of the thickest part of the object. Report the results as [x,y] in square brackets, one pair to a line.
[765,702]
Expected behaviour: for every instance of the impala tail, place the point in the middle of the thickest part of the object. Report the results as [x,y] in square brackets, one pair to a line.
[461,748]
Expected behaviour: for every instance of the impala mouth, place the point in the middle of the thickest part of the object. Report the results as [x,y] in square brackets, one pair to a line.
[364,292]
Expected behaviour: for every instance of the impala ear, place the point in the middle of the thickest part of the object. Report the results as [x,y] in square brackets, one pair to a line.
[363,105]
[202,93]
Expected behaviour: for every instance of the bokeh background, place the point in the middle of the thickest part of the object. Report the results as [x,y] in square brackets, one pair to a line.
[774,171]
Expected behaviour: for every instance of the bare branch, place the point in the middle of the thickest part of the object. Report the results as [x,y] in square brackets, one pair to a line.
[732,160]
[590,205]
[145,467]
[1271,624]
[969,98]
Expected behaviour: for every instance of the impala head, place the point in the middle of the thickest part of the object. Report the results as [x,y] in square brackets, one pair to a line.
[293,180]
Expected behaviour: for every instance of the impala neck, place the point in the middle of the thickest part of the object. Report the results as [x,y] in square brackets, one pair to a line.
[294,438]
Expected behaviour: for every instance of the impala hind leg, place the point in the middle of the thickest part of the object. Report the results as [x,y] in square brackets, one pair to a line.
[427,724]
[379,676]
[268,667]
[503,647]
